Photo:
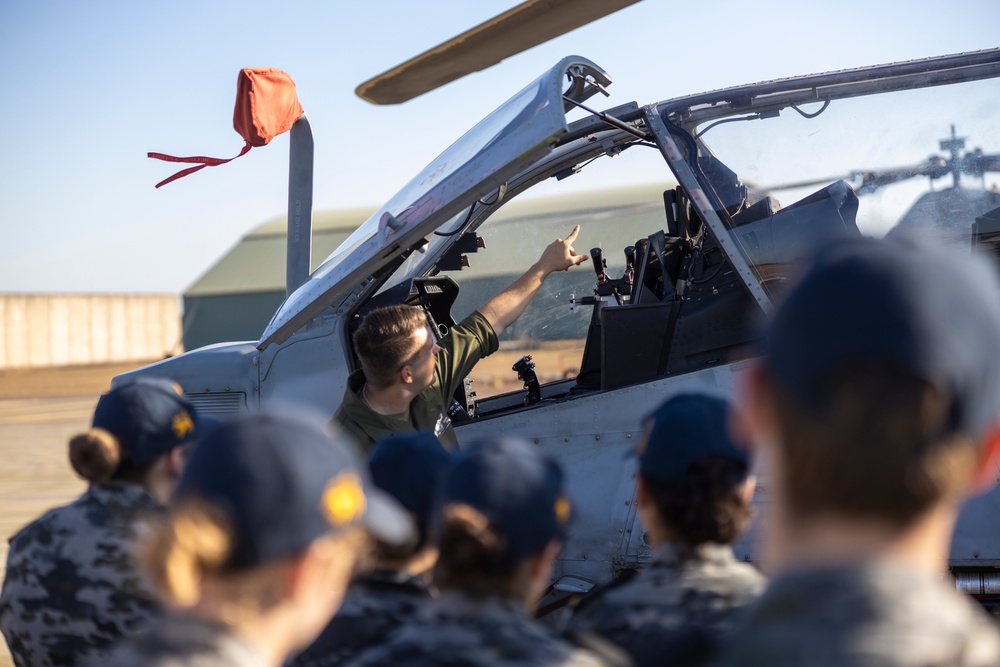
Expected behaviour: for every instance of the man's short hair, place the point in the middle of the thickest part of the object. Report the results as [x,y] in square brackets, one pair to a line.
[384,342]
[874,451]
[885,378]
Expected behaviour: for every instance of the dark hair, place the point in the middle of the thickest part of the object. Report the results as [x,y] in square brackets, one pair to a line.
[473,554]
[99,457]
[707,505]
[877,447]
[384,341]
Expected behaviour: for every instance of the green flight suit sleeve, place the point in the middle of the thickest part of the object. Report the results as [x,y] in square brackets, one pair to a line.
[467,342]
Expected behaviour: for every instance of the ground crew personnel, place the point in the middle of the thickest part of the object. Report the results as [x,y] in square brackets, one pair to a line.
[71,587]
[693,495]
[408,377]
[257,548]
[499,526]
[408,467]
[876,408]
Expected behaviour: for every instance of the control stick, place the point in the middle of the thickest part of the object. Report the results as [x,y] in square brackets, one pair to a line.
[525,369]
[599,265]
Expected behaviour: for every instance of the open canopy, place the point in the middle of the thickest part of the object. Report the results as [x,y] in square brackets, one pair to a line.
[519,133]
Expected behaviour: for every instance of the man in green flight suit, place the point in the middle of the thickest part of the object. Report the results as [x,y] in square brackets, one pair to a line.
[407,378]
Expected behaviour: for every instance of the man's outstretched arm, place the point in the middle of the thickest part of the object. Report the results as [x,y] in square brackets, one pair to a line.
[507,306]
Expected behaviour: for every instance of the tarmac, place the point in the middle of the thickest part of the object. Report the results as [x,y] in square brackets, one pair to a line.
[39,411]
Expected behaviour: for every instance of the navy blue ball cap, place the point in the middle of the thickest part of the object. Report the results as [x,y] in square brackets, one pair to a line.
[932,313]
[521,491]
[282,482]
[408,467]
[686,429]
[148,416]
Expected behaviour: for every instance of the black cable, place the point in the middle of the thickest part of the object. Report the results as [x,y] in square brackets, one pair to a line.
[501,191]
[802,113]
[726,120]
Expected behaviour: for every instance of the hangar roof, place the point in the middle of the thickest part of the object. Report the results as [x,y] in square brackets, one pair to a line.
[257,262]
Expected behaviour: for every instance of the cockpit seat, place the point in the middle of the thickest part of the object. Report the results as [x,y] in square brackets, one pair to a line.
[793,233]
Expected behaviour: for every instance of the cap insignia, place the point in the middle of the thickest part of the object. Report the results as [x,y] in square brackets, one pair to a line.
[562,510]
[344,499]
[182,424]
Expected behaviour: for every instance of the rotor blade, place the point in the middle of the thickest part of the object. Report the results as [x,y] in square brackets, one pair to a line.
[871,180]
[979,164]
[522,27]
[802,184]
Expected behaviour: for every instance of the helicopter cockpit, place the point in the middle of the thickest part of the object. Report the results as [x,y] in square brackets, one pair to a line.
[683,267]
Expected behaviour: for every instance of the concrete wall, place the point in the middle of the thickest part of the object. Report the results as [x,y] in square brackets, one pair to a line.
[39,330]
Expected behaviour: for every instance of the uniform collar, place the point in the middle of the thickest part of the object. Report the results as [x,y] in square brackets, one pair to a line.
[457,604]
[118,492]
[673,554]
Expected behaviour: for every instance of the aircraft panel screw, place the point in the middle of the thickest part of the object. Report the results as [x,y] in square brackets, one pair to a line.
[597,437]
[747,558]
[975,555]
[628,436]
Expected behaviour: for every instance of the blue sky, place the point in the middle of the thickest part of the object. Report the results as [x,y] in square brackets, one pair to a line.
[90,87]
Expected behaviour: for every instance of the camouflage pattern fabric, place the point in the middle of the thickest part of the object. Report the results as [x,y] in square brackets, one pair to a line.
[375,605]
[864,615]
[676,609]
[71,587]
[183,641]
[461,631]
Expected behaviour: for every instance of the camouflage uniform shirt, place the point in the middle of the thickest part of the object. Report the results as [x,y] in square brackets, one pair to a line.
[864,615]
[180,640]
[71,587]
[374,606]
[462,631]
[675,608]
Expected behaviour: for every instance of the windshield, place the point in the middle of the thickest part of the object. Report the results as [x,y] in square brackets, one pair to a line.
[447,164]
[922,161]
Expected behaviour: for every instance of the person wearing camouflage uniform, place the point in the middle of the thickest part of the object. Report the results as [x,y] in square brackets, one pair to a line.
[472,631]
[693,501]
[408,467]
[876,404]
[500,522]
[376,604]
[254,561]
[71,587]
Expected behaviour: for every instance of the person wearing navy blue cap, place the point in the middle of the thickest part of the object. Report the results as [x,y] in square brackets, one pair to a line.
[876,406]
[264,528]
[71,587]
[693,496]
[408,467]
[500,521]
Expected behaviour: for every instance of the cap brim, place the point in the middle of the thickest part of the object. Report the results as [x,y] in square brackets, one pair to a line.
[386,519]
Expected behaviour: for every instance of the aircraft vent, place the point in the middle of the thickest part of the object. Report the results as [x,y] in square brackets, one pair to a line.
[222,403]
